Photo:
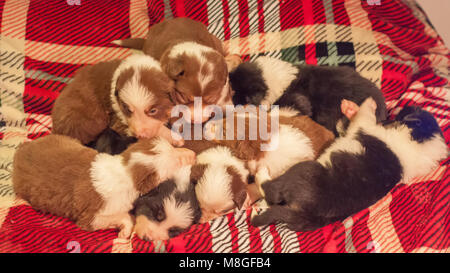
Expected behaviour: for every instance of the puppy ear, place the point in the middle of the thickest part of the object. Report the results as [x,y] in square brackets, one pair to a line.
[178,97]
[238,187]
[197,172]
[144,178]
[173,67]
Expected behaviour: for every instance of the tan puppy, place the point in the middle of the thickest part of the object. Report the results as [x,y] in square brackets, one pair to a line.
[192,57]
[131,96]
[96,190]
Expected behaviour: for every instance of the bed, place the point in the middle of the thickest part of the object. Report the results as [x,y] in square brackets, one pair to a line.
[390,42]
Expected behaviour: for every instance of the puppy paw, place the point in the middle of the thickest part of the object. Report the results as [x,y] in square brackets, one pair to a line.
[184,157]
[369,105]
[126,228]
[349,108]
[258,220]
[177,142]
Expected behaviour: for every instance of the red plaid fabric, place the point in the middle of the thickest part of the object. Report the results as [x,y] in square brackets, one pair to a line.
[390,42]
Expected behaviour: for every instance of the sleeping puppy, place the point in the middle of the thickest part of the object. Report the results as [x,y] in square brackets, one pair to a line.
[356,170]
[220,180]
[192,57]
[169,209]
[130,96]
[95,190]
[296,138]
[315,91]
[225,166]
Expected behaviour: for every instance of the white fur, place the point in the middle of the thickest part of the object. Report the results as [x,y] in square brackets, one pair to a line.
[213,189]
[348,145]
[182,178]
[288,112]
[191,49]
[113,182]
[136,62]
[178,214]
[293,147]
[205,79]
[277,75]
[137,95]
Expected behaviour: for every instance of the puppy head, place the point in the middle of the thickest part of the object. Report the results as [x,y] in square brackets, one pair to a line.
[422,123]
[248,84]
[140,95]
[164,212]
[198,71]
[221,182]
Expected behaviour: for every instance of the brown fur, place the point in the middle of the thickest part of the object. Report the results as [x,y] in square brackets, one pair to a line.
[184,69]
[187,85]
[197,171]
[320,136]
[161,86]
[145,178]
[83,109]
[166,34]
[238,187]
[244,149]
[58,182]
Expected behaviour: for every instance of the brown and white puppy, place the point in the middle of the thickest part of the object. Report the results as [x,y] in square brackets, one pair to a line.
[297,139]
[96,190]
[220,182]
[130,96]
[192,57]
[223,167]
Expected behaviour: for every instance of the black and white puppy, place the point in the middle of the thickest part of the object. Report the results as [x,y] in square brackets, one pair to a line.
[315,91]
[169,209]
[356,170]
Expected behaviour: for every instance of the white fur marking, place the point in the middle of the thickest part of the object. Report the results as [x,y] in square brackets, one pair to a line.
[136,62]
[277,75]
[112,181]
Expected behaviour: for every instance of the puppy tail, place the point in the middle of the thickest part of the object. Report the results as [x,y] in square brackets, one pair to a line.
[135,43]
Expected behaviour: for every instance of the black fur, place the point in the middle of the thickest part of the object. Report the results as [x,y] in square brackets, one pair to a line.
[110,142]
[317,91]
[151,204]
[248,82]
[309,195]
[422,123]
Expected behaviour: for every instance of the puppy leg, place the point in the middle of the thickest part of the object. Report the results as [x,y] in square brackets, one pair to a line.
[121,221]
[173,137]
[272,215]
[364,117]
[184,157]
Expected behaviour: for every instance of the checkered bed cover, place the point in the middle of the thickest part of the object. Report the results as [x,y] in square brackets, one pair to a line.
[390,42]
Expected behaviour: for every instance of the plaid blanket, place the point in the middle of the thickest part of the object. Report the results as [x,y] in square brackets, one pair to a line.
[390,42]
